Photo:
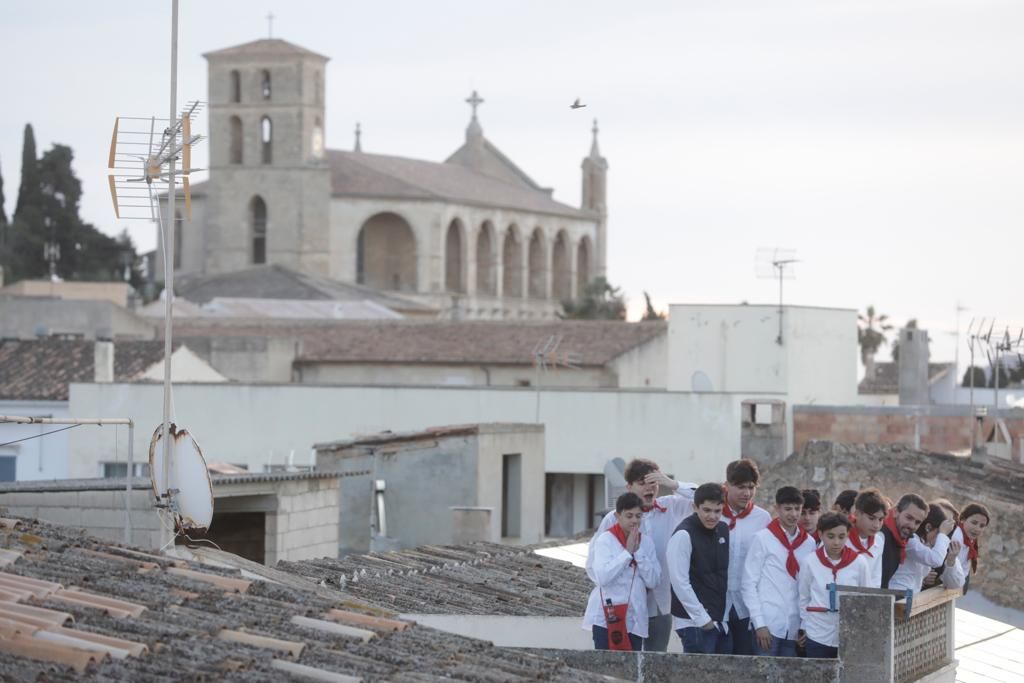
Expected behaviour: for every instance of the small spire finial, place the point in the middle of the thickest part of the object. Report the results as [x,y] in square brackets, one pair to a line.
[474,101]
[270,25]
[594,151]
[359,138]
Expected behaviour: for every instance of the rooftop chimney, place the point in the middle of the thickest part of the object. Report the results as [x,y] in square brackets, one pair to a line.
[913,367]
[103,356]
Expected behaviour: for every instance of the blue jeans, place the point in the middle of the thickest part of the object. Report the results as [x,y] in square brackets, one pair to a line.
[780,647]
[741,636]
[600,634]
[659,629]
[703,641]
[818,651]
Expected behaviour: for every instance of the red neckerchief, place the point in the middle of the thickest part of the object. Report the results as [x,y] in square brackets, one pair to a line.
[733,518]
[618,533]
[845,560]
[655,506]
[901,543]
[858,546]
[972,548]
[816,536]
[792,566]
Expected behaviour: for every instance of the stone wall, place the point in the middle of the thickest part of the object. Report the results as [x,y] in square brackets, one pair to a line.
[942,429]
[831,467]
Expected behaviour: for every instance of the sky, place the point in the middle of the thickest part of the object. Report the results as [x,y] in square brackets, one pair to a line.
[881,141]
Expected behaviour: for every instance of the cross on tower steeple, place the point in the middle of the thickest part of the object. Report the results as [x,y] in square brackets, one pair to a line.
[270,24]
[474,101]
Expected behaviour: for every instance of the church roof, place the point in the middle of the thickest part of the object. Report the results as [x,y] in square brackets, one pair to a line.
[278,282]
[266,47]
[486,158]
[358,174]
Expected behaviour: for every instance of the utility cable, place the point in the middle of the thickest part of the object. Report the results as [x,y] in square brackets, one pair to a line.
[36,436]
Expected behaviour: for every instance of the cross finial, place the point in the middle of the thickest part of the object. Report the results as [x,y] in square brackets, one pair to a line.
[270,24]
[474,101]
[359,137]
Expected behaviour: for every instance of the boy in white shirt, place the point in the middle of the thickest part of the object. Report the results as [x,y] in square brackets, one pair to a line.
[833,562]
[661,517]
[769,583]
[866,537]
[624,565]
[744,519]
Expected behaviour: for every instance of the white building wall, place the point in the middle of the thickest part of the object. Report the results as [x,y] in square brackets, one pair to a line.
[645,366]
[456,375]
[45,457]
[691,435]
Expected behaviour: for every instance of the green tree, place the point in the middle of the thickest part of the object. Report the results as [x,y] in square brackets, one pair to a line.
[3,214]
[871,329]
[1004,379]
[895,349]
[650,313]
[29,195]
[600,301]
[979,377]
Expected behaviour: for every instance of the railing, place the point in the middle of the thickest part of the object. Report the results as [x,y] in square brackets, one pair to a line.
[923,643]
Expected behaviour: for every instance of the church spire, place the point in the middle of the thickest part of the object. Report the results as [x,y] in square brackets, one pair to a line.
[595,153]
[474,132]
[359,139]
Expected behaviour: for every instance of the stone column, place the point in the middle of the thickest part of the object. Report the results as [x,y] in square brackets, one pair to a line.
[866,638]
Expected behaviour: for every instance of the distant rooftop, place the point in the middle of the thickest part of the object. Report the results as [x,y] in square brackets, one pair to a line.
[429,433]
[886,378]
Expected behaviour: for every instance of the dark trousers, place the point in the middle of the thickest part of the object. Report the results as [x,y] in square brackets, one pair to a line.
[816,650]
[780,647]
[601,639]
[659,630]
[739,629]
[704,641]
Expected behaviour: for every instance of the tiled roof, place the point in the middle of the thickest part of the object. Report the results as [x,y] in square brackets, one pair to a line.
[41,369]
[278,282]
[585,342]
[266,47]
[150,617]
[886,379]
[358,174]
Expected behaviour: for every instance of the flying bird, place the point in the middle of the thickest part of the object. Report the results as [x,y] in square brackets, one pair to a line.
[576,104]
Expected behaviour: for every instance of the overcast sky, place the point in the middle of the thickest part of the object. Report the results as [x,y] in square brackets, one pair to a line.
[882,140]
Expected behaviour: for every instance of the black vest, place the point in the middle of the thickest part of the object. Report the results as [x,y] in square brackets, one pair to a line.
[709,567]
[890,557]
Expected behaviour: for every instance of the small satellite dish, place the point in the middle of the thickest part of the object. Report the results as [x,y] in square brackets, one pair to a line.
[699,381]
[185,490]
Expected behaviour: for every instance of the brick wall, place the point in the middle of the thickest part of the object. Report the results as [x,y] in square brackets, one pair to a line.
[937,429]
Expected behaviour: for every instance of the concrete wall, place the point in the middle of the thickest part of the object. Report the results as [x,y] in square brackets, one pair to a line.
[941,429]
[526,441]
[465,375]
[644,367]
[20,317]
[691,435]
[114,292]
[247,359]
[40,458]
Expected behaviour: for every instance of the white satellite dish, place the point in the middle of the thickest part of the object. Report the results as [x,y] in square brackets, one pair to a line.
[185,487]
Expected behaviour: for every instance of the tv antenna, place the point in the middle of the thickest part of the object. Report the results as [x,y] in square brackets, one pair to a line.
[545,355]
[775,263]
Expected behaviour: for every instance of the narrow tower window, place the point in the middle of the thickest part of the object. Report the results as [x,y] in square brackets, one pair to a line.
[235,151]
[259,230]
[236,86]
[267,139]
[265,84]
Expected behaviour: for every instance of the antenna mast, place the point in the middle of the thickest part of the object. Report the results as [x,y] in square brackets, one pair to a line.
[777,263]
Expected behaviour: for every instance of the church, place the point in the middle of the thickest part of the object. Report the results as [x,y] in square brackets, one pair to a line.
[473,233]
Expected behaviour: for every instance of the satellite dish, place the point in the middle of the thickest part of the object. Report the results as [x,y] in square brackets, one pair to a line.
[701,382]
[614,481]
[185,489]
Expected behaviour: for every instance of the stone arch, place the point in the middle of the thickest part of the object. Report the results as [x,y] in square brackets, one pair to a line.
[561,268]
[512,264]
[386,253]
[486,261]
[583,266]
[265,84]
[258,230]
[454,262]
[236,86]
[235,150]
[266,140]
[537,265]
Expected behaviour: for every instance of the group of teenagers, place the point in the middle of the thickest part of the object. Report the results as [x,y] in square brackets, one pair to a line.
[728,578]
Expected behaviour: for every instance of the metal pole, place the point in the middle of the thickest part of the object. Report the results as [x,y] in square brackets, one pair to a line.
[971,371]
[169,248]
[128,487]
[780,305]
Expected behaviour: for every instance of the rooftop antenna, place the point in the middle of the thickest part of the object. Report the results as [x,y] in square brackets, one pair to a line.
[147,150]
[545,354]
[776,263]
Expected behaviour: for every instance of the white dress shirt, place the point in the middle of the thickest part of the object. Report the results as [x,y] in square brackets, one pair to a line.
[823,627]
[960,578]
[659,525]
[872,558]
[920,560]
[614,575]
[679,551]
[739,541]
[768,590]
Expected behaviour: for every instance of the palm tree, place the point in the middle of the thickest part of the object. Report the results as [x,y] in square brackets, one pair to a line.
[871,329]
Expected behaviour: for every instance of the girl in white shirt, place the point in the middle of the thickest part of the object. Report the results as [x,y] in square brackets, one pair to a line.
[625,565]
[929,548]
[974,519]
[833,562]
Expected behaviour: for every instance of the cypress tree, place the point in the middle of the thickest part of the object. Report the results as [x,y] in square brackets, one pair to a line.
[3,214]
[30,193]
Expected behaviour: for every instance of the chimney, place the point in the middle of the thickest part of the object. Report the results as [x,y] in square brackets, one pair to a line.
[913,367]
[103,356]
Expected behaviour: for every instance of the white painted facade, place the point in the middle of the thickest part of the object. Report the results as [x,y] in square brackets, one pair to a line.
[44,457]
[186,366]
